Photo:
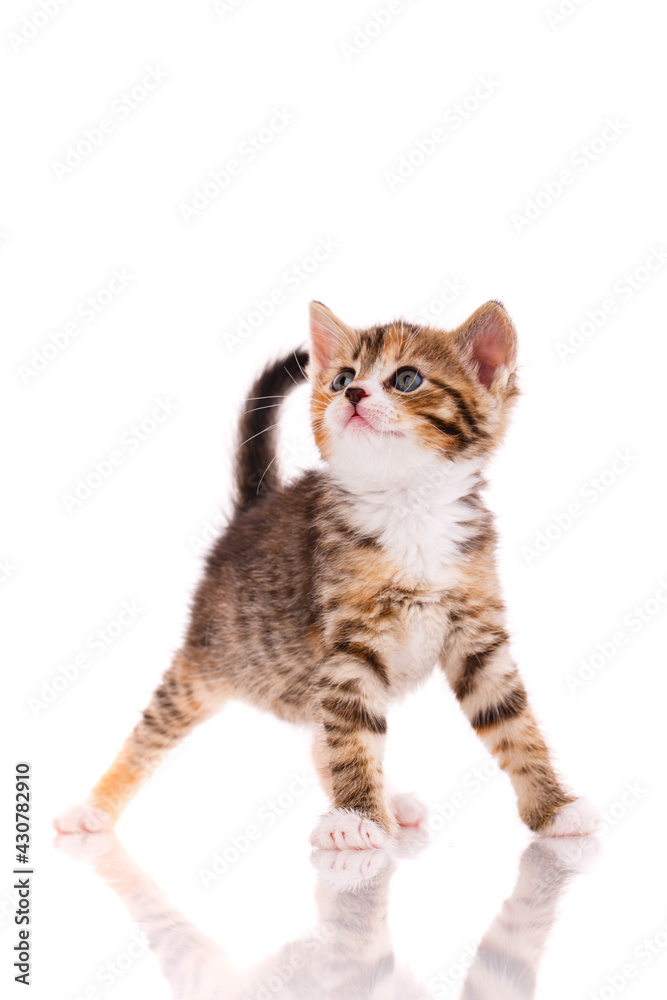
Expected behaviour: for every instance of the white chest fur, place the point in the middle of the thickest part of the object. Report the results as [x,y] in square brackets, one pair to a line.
[421,519]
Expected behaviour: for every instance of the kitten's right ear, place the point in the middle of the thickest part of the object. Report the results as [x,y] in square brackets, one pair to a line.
[488,342]
[327,332]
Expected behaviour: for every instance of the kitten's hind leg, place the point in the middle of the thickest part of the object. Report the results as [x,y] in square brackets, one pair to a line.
[409,811]
[184,698]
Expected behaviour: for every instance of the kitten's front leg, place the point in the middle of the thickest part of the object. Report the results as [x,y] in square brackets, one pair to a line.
[349,746]
[484,678]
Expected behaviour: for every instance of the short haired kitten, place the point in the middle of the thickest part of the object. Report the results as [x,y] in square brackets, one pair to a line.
[327,598]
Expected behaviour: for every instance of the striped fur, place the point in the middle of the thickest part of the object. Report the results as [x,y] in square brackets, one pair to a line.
[506,962]
[328,598]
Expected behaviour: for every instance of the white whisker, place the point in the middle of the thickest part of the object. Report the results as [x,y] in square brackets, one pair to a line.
[270,428]
[265,471]
[276,396]
[300,368]
[255,409]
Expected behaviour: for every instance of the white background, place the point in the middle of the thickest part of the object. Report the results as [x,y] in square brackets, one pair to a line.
[359,103]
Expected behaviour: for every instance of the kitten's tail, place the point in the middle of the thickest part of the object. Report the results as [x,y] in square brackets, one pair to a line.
[255,469]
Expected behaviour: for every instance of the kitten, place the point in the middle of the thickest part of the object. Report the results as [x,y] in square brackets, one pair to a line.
[326,599]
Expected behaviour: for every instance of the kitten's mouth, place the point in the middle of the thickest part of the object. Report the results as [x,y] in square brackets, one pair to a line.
[360,423]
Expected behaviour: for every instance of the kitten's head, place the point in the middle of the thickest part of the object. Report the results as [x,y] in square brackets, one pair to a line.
[393,396]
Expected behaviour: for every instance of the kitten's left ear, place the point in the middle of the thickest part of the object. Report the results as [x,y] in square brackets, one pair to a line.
[488,340]
[327,332]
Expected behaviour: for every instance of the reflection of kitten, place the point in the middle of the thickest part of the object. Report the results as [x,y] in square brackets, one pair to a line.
[326,599]
[506,962]
[350,954]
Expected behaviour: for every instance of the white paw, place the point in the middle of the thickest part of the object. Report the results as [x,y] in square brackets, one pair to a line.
[577,819]
[407,809]
[342,830]
[84,846]
[83,818]
[575,854]
[349,869]
[412,840]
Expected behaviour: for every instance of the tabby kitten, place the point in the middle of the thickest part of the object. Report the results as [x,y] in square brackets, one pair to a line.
[327,598]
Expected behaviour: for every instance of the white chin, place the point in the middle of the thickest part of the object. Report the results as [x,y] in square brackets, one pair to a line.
[363,458]
[363,427]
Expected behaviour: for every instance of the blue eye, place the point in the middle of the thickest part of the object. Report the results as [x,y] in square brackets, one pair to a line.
[406,379]
[342,379]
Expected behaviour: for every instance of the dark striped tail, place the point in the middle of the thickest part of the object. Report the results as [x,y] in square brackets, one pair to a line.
[255,470]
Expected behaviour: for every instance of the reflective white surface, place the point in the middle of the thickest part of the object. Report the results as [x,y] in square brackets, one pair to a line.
[476,916]
[349,951]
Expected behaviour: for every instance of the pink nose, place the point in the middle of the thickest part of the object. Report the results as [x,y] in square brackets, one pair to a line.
[355,393]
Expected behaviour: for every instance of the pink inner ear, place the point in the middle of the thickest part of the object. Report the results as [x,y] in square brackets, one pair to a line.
[490,350]
[322,339]
[326,333]
[492,347]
